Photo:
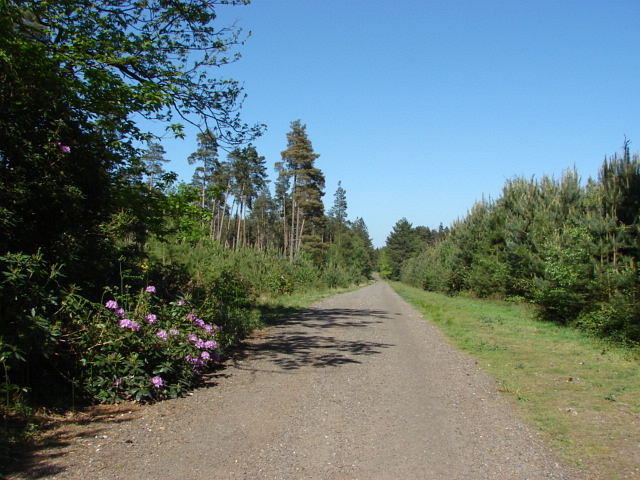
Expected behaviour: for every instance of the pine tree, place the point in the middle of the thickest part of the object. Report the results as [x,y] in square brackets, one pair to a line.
[153,160]
[307,213]
[283,201]
[207,158]
[339,209]
[249,176]
[205,175]
[402,244]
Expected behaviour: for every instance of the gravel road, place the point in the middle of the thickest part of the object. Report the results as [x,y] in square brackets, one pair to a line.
[355,387]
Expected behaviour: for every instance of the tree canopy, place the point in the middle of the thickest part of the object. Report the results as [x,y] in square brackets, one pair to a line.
[149,58]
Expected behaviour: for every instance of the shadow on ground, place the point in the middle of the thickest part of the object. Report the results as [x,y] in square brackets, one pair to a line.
[297,339]
[310,338]
[36,460]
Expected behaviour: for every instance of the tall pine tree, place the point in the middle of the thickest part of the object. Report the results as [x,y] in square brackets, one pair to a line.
[307,185]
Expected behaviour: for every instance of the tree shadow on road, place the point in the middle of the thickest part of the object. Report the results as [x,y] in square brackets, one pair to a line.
[36,460]
[309,338]
[296,342]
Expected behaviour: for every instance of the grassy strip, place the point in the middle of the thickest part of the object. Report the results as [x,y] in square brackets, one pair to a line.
[583,394]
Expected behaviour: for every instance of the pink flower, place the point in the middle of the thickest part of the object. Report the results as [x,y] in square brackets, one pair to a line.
[126,323]
[196,361]
[63,148]
[157,381]
[181,303]
[210,344]
[205,356]
[151,289]
[162,334]
[111,304]
[151,318]
[174,331]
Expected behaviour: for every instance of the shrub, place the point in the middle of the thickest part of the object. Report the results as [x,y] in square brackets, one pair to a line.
[141,348]
[29,297]
[487,277]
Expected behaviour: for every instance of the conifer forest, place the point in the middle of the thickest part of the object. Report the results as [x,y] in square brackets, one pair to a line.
[120,282]
[568,246]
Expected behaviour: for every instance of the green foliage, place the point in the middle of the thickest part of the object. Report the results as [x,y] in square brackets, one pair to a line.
[139,347]
[384,267]
[565,286]
[128,57]
[402,244]
[350,252]
[339,209]
[30,296]
[487,276]
[571,249]
[54,169]
[436,269]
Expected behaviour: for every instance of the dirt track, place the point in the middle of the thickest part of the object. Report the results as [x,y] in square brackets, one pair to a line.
[356,387]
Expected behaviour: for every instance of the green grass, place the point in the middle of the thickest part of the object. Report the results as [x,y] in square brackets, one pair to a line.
[581,393]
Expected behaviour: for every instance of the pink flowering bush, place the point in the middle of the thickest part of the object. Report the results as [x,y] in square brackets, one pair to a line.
[143,348]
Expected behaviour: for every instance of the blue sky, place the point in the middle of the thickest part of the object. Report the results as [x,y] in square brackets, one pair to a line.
[422,107]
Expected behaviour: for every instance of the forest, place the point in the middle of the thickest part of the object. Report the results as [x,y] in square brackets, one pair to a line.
[117,282]
[569,247]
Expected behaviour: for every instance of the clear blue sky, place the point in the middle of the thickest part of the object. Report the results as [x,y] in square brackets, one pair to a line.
[422,107]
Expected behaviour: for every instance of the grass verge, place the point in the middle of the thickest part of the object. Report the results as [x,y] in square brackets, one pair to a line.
[581,393]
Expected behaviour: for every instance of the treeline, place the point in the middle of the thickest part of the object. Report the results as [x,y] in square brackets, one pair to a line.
[116,281]
[569,247]
[229,200]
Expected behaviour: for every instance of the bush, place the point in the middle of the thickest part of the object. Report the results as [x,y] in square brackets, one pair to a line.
[29,297]
[140,347]
[487,277]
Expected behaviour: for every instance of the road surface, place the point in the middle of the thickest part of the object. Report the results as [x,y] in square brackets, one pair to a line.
[355,387]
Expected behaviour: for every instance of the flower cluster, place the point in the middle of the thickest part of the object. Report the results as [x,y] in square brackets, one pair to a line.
[171,347]
[126,323]
[157,381]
